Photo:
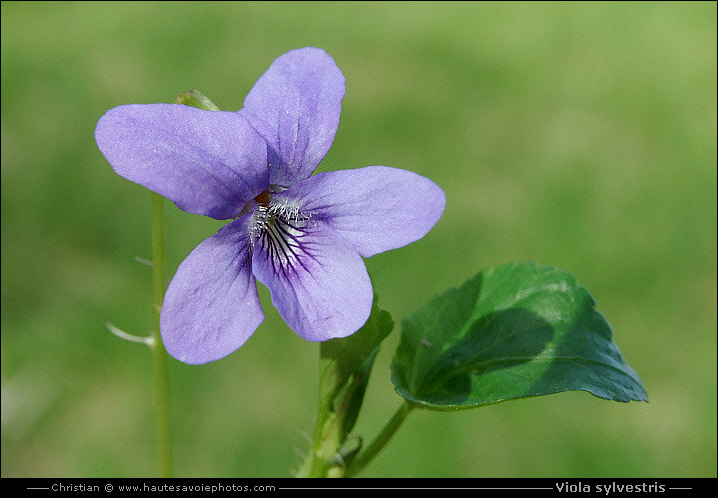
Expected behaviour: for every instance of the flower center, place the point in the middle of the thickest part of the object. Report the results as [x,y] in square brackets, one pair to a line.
[263,198]
[277,228]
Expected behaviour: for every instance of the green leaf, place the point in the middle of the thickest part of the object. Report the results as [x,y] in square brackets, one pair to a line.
[345,365]
[511,331]
[344,357]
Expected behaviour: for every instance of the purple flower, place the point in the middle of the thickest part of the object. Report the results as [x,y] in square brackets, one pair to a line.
[302,236]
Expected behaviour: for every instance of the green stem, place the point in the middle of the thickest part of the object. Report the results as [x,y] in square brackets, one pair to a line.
[159,354]
[378,444]
[159,279]
[324,445]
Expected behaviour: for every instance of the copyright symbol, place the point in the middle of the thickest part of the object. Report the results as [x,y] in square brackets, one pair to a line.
[108,488]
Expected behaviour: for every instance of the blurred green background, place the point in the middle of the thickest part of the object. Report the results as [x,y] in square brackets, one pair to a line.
[577,135]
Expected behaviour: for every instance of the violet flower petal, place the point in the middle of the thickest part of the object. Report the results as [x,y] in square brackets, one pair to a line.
[206,162]
[211,306]
[295,106]
[318,283]
[375,208]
